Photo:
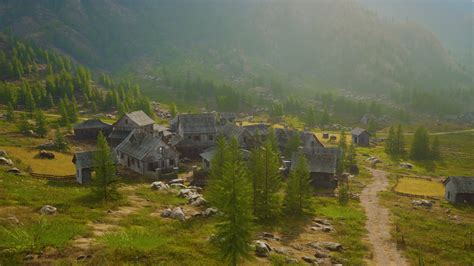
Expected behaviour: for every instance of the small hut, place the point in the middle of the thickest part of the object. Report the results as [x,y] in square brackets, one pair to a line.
[459,189]
[84,162]
[360,137]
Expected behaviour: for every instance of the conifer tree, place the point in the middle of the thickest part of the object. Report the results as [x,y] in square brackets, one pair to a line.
[400,142]
[351,160]
[73,113]
[230,192]
[340,167]
[173,110]
[10,115]
[298,194]
[59,141]
[292,145]
[343,194]
[63,111]
[105,179]
[41,125]
[24,125]
[390,142]
[420,148]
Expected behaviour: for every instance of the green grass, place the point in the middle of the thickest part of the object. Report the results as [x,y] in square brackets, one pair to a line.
[349,222]
[420,187]
[430,234]
[163,198]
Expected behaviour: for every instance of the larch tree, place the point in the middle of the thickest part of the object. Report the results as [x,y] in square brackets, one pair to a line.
[104,166]
[390,142]
[10,115]
[420,148]
[400,142]
[340,167]
[41,127]
[298,193]
[231,194]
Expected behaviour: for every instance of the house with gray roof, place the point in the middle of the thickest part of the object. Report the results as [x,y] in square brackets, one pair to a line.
[232,131]
[360,137]
[459,189]
[322,164]
[84,162]
[129,122]
[147,154]
[90,129]
[258,133]
[308,139]
[197,131]
[208,154]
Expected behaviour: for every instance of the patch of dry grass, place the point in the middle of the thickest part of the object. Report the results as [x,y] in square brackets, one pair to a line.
[420,187]
[61,165]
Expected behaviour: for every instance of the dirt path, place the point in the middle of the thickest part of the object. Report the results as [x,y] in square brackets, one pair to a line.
[378,224]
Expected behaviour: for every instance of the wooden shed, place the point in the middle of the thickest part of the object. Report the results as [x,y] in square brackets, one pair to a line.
[360,137]
[89,129]
[459,189]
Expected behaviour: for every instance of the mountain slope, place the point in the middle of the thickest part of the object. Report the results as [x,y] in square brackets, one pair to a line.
[334,42]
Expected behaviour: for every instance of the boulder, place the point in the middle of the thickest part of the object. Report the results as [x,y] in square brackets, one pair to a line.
[320,254]
[14,170]
[200,201]
[422,203]
[158,185]
[5,161]
[48,210]
[262,249]
[406,165]
[29,257]
[209,212]
[282,250]
[166,213]
[332,246]
[267,235]
[177,181]
[46,155]
[177,186]
[321,221]
[291,261]
[3,153]
[309,259]
[178,214]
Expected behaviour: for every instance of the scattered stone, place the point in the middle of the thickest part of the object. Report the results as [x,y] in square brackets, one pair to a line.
[46,155]
[178,214]
[406,165]
[177,181]
[267,235]
[209,212]
[177,186]
[322,221]
[3,153]
[332,246]
[166,213]
[262,249]
[291,261]
[196,188]
[5,161]
[48,210]
[297,247]
[422,203]
[200,201]
[31,133]
[320,254]
[13,220]
[14,170]
[29,257]
[282,250]
[81,257]
[158,185]
[308,259]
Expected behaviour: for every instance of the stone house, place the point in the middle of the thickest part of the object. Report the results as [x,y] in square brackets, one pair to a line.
[84,162]
[459,189]
[147,154]
[207,155]
[231,131]
[360,137]
[129,122]
[258,134]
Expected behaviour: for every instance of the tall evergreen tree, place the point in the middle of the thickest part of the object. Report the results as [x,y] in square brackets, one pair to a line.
[390,142]
[340,167]
[105,179]
[231,194]
[41,125]
[400,142]
[60,141]
[298,194]
[420,148]
[292,145]
[10,115]
[351,159]
[63,111]
[435,149]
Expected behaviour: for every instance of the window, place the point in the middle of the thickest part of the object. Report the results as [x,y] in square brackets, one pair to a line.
[211,137]
[126,121]
[197,138]
[161,150]
[171,162]
[449,194]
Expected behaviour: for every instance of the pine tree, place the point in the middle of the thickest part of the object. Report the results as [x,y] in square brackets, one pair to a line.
[343,194]
[420,148]
[41,125]
[298,194]
[400,142]
[324,118]
[351,159]
[292,145]
[10,115]
[72,111]
[435,149]
[63,111]
[341,167]
[372,127]
[390,142]
[105,181]
[173,110]
[24,125]
[60,142]
[231,194]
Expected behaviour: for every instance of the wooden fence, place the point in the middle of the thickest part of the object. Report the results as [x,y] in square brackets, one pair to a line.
[69,178]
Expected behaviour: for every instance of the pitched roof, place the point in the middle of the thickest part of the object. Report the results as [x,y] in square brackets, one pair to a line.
[159,128]
[209,154]
[118,134]
[140,144]
[140,118]
[198,123]
[261,129]
[85,159]
[357,131]
[230,130]
[318,163]
[309,136]
[92,123]
[462,184]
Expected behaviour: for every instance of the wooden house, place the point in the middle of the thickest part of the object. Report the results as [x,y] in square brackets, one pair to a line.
[459,189]
[147,154]
[207,155]
[84,162]
[231,131]
[322,166]
[258,133]
[197,133]
[129,122]
[308,140]
[360,137]
[90,129]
